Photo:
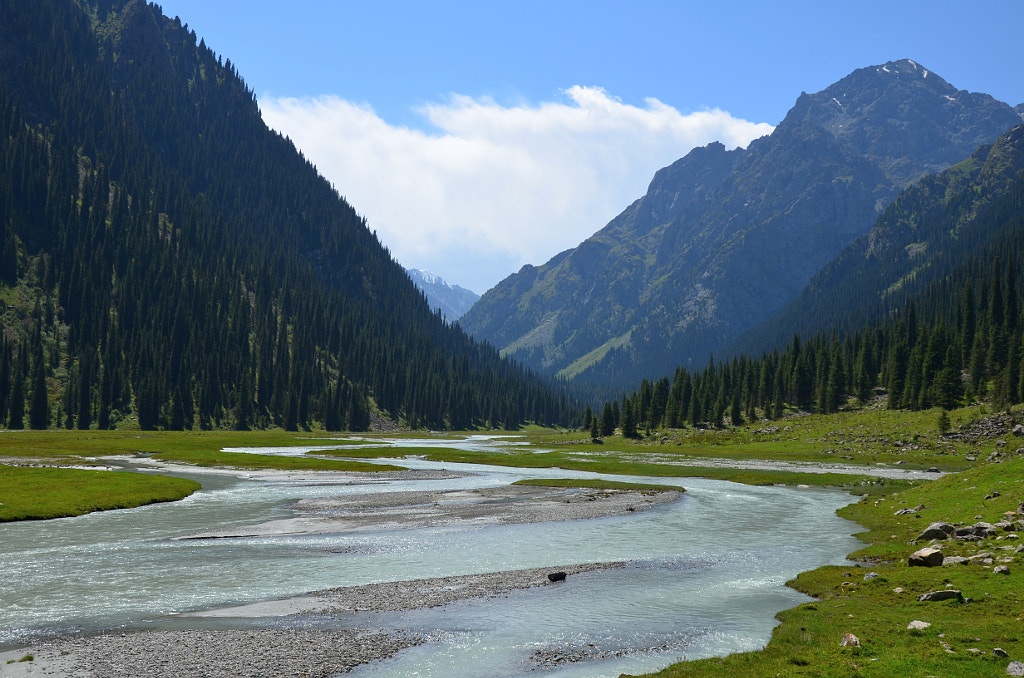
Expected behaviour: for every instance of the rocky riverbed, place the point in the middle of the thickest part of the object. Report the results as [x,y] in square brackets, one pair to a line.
[271,652]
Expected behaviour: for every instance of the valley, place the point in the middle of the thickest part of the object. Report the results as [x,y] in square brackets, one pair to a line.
[766,420]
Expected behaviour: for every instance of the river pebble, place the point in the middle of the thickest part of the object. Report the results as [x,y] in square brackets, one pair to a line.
[262,653]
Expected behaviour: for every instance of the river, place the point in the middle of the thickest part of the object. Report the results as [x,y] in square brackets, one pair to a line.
[706,573]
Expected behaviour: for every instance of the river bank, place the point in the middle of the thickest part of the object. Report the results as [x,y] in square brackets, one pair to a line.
[272,652]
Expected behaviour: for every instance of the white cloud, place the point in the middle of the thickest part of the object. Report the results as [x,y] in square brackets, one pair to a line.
[495,187]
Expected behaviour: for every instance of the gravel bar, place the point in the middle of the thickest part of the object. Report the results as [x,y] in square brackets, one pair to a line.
[260,653]
[265,652]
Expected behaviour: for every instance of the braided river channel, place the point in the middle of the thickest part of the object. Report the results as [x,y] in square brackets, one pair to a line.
[705,575]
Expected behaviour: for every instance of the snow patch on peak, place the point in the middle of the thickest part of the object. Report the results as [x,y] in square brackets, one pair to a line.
[428,277]
[837,102]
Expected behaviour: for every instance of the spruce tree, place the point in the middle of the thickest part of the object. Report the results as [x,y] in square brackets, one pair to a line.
[628,423]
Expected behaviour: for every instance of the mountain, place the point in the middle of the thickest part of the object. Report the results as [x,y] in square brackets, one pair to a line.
[723,239]
[167,261]
[925,309]
[452,300]
[960,219]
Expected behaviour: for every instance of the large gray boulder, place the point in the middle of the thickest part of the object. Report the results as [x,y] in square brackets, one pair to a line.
[926,557]
[938,530]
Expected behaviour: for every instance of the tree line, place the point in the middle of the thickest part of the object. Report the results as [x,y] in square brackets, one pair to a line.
[960,341]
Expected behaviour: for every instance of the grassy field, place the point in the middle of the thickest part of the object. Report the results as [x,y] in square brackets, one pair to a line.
[28,493]
[32,492]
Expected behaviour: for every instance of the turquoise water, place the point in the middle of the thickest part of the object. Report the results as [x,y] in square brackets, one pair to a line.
[707,573]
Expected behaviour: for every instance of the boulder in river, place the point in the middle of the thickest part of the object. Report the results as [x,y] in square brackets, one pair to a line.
[556,576]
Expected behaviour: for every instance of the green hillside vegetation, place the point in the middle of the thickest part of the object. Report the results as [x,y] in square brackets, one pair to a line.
[919,245]
[192,269]
[932,354]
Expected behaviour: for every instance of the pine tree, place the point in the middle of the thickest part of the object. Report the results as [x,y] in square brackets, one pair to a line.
[607,427]
[39,407]
[628,423]
[17,416]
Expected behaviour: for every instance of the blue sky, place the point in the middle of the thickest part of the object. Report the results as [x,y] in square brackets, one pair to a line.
[477,137]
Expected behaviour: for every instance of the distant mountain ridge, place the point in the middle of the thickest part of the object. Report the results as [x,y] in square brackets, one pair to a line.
[452,300]
[723,239]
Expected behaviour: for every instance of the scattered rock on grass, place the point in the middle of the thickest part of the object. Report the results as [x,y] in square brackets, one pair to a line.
[850,640]
[934,596]
[926,557]
[937,530]
[917,625]
[1015,668]
[1001,569]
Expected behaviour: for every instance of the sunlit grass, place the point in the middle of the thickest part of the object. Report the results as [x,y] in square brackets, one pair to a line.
[28,493]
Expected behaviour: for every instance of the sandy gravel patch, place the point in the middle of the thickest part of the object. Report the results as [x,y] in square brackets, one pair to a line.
[511,504]
[259,653]
[407,595]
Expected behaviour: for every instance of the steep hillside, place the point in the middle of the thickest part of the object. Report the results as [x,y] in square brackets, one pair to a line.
[168,261]
[723,239]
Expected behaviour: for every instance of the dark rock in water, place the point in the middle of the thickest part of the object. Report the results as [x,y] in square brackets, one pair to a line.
[556,576]
[934,596]
[938,530]
[926,557]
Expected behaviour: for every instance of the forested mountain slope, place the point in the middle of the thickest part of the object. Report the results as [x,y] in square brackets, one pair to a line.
[925,309]
[926,235]
[164,256]
[723,239]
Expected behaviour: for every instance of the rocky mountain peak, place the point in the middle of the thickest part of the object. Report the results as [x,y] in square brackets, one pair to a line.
[722,239]
[904,118]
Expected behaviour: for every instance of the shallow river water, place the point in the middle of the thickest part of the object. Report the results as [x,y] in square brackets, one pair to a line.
[706,574]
